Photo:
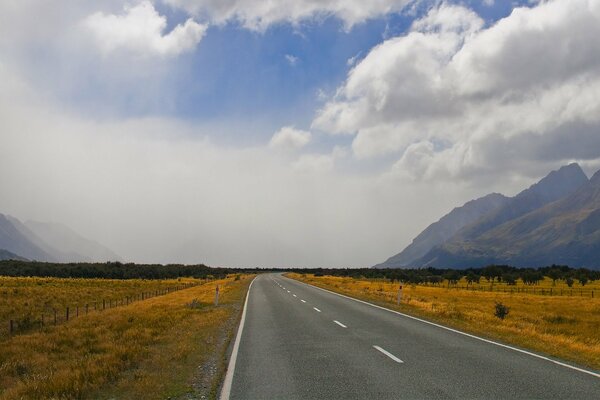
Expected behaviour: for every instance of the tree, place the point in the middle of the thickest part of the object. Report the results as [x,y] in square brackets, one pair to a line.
[569,281]
[554,274]
[472,278]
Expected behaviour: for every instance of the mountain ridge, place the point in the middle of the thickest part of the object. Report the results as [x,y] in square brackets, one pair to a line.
[556,220]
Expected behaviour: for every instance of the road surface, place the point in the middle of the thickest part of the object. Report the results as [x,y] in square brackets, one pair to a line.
[301,342]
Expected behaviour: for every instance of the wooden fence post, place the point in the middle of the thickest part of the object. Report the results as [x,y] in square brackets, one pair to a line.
[11,327]
[54,316]
[67,314]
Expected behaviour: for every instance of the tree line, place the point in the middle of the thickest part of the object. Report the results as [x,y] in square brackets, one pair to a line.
[490,273]
[110,270]
[118,270]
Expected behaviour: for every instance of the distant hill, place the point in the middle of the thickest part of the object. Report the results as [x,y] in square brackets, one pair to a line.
[17,239]
[68,245]
[49,242]
[442,230]
[556,185]
[556,220]
[563,232]
[7,255]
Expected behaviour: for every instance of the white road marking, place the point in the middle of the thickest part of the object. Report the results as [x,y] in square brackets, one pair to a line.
[304,301]
[295,295]
[288,291]
[562,364]
[390,355]
[316,309]
[226,391]
[340,324]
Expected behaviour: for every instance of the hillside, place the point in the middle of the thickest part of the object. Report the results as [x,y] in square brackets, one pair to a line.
[68,245]
[440,231]
[7,255]
[49,242]
[563,232]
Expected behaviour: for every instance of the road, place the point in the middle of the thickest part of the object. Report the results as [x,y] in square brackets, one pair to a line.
[301,342]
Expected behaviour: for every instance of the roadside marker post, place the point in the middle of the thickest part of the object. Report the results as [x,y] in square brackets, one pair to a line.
[217,296]
[399,294]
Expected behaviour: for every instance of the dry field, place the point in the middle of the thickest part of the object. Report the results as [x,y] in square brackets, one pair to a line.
[24,300]
[561,326]
[150,349]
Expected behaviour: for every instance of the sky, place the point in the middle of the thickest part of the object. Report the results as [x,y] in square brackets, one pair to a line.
[292,133]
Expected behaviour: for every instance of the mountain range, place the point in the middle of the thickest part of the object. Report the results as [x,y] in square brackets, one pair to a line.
[50,242]
[555,221]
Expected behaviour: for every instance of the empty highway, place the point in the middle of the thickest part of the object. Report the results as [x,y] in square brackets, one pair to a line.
[301,342]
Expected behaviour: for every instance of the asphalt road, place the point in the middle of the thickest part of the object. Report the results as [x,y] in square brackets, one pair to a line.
[300,342]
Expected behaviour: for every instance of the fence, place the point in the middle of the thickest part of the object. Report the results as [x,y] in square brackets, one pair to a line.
[60,316]
[542,291]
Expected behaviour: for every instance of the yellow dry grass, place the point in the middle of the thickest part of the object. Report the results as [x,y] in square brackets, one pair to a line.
[150,349]
[28,298]
[561,326]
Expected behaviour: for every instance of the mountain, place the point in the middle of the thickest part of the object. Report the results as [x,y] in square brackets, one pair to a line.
[553,221]
[49,242]
[442,230]
[564,232]
[16,238]
[556,185]
[68,245]
[7,255]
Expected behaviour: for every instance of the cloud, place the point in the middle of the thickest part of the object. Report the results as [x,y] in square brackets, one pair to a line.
[292,60]
[289,138]
[486,96]
[259,15]
[141,30]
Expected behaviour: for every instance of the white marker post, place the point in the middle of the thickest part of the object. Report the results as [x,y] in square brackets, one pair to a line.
[399,294]
[217,296]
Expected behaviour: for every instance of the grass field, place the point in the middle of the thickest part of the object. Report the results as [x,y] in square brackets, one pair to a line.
[561,326]
[24,300]
[150,349]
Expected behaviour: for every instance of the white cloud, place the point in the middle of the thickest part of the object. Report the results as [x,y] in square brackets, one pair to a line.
[289,138]
[142,30]
[494,99]
[292,60]
[259,15]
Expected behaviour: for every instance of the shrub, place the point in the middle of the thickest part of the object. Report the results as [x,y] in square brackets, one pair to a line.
[501,310]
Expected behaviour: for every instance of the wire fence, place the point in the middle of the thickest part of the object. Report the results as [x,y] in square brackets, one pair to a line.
[56,316]
[542,291]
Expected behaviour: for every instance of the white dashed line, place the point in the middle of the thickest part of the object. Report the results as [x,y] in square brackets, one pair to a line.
[390,355]
[294,295]
[340,324]
[316,309]
[304,301]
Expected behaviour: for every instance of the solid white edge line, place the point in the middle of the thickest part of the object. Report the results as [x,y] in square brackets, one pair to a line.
[226,390]
[390,355]
[562,364]
[316,309]
[340,324]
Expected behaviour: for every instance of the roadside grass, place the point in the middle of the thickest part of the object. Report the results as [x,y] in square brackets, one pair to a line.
[24,300]
[150,349]
[561,326]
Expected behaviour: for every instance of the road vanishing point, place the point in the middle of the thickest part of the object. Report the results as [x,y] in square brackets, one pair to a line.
[296,341]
